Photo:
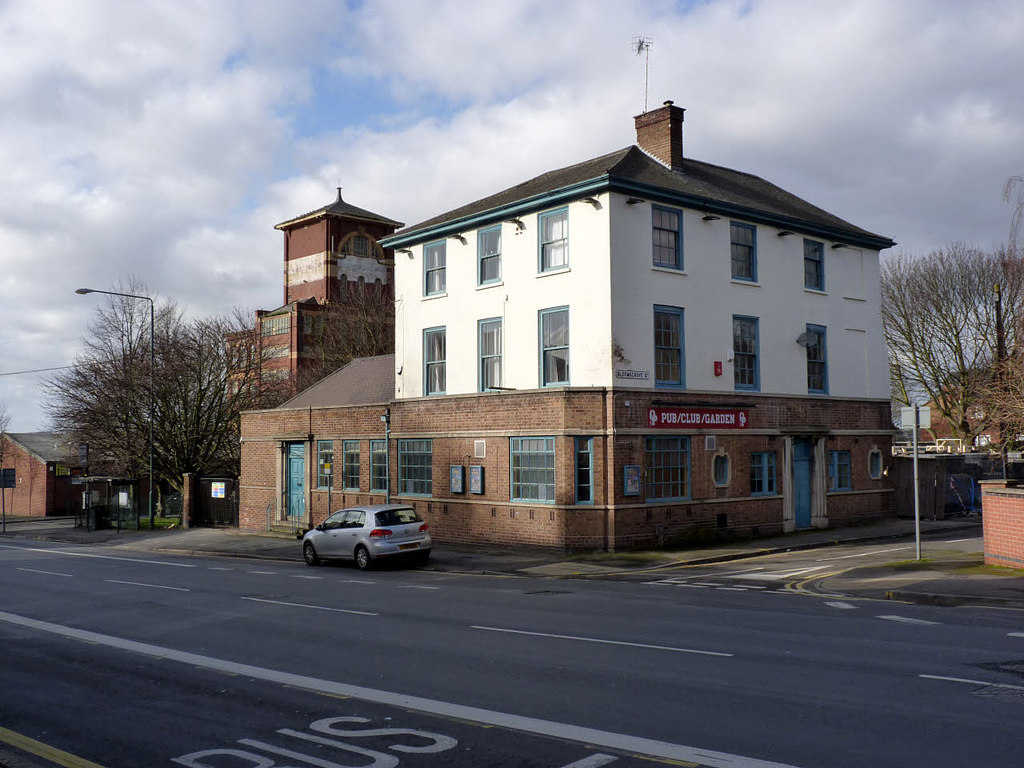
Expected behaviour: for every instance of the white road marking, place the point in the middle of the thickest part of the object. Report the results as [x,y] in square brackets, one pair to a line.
[263,573]
[957,541]
[306,605]
[48,573]
[973,682]
[706,584]
[1015,634]
[752,586]
[908,620]
[313,578]
[587,736]
[594,761]
[670,583]
[840,605]
[862,554]
[357,581]
[415,586]
[98,557]
[219,568]
[603,642]
[731,589]
[152,586]
[781,575]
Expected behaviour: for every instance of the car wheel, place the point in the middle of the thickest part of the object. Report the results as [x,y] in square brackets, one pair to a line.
[363,561]
[309,554]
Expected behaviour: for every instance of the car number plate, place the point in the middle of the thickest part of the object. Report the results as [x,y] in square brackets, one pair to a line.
[408,546]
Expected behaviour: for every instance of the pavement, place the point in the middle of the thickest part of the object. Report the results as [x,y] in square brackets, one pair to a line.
[946,575]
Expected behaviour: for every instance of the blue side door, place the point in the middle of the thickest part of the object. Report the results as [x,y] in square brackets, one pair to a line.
[296,480]
[803,458]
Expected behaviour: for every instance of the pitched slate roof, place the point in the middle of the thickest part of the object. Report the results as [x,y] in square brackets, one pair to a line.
[47,446]
[363,381]
[339,208]
[631,170]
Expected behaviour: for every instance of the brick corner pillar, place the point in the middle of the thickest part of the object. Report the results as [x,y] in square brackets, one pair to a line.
[188,493]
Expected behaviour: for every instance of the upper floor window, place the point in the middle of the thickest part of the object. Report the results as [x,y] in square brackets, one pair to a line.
[814,265]
[489,255]
[554,240]
[434,361]
[665,234]
[817,369]
[357,245]
[668,346]
[745,352]
[839,475]
[490,354]
[743,247]
[554,346]
[273,325]
[434,268]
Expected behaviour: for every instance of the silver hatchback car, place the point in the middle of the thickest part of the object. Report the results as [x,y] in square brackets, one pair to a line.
[369,534]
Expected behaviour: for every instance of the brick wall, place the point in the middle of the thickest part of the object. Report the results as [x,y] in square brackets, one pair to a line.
[1003,522]
[38,491]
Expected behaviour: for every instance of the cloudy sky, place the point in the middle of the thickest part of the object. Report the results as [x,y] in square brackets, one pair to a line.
[164,139]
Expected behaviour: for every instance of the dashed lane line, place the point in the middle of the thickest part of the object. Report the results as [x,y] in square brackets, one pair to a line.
[973,682]
[619,742]
[307,605]
[68,553]
[48,573]
[909,620]
[602,641]
[151,586]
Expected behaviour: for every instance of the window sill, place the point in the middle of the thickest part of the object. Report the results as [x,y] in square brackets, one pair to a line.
[558,271]
[432,296]
[741,281]
[669,270]
[817,291]
[492,284]
[854,298]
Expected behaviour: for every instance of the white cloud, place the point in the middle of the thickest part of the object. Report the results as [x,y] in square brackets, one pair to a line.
[166,138]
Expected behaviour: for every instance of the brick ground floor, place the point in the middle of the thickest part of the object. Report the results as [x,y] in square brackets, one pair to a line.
[576,469]
[1003,521]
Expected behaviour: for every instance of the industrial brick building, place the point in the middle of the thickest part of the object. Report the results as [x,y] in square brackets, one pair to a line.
[635,350]
[40,466]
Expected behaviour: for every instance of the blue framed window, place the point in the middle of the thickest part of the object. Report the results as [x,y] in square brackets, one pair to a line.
[720,470]
[350,468]
[666,237]
[416,467]
[490,353]
[667,470]
[434,268]
[378,465]
[839,475]
[743,251]
[746,374]
[584,470]
[669,369]
[532,468]
[434,361]
[488,250]
[324,464]
[817,361]
[554,346]
[814,265]
[553,231]
[762,473]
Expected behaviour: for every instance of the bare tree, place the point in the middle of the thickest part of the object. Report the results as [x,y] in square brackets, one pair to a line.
[361,325]
[939,318]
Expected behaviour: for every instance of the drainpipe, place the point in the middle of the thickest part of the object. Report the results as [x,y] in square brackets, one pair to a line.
[386,418]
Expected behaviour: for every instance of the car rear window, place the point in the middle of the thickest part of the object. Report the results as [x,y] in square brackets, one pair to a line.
[398,516]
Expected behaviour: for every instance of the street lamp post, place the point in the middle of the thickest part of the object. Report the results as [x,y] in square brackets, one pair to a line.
[152,338]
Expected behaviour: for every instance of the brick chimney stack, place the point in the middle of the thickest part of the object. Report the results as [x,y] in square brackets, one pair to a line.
[660,133]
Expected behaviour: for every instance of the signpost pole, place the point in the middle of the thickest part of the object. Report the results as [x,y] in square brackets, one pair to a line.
[917,487]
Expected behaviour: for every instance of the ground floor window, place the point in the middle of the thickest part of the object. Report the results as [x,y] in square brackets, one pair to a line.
[378,465]
[875,464]
[667,471]
[415,467]
[533,468]
[324,463]
[351,465]
[762,473]
[720,470]
[584,470]
[839,477]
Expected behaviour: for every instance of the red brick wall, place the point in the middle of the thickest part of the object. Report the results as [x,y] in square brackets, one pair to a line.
[1003,523]
[39,492]
[455,423]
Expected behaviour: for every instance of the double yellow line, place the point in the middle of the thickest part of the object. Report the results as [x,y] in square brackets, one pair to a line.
[45,751]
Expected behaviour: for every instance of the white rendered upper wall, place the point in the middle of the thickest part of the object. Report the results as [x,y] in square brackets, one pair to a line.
[611,287]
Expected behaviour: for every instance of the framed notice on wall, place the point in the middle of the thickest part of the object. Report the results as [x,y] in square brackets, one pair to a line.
[631,480]
[457,477]
[476,478]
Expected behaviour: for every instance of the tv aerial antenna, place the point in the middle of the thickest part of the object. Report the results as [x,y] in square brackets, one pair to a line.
[643,44]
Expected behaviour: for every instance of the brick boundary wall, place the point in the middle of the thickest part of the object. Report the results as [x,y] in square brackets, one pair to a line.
[1003,522]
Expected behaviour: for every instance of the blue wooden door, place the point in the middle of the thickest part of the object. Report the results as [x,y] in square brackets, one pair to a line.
[296,480]
[803,458]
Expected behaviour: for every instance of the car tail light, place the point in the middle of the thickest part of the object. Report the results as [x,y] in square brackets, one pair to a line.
[424,528]
[378,533]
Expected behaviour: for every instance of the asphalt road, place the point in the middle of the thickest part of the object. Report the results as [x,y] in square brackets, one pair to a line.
[123,659]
